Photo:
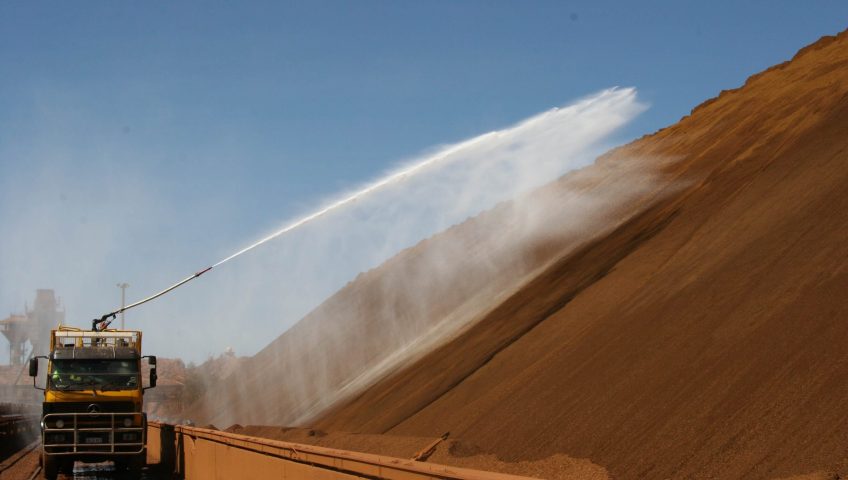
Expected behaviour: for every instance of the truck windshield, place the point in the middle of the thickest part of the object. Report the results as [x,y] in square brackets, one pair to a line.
[94,374]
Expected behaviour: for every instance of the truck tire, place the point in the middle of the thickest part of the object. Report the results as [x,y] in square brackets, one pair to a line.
[49,467]
[137,462]
[131,465]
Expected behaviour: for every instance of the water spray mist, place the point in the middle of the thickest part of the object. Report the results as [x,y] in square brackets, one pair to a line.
[390,179]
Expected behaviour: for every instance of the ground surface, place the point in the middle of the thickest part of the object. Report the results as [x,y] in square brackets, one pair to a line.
[701,336]
[23,465]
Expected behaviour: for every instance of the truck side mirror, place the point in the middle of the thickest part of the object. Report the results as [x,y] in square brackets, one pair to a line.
[33,370]
[151,360]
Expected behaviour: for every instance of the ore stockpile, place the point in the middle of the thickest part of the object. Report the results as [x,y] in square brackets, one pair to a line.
[702,336]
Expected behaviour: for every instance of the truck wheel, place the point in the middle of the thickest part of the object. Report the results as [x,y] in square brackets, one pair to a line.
[137,462]
[132,466]
[49,466]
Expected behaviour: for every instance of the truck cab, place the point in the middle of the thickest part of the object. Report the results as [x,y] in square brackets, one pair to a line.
[93,399]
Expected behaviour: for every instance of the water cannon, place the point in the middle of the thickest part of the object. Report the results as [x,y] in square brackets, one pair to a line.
[105,320]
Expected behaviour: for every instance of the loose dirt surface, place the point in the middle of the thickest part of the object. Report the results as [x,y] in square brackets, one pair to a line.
[26,467]
[449,452]
[701,335]
[19,465]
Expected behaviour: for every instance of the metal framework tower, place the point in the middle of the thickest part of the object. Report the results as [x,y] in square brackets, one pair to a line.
[16,330]
[32,327]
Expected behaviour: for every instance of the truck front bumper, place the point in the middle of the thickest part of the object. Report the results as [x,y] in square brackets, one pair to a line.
[94,433]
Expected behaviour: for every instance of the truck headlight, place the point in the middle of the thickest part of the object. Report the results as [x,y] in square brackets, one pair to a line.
[60,423]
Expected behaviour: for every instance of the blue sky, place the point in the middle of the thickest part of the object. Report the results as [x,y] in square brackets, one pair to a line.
[308,97]
[232,117]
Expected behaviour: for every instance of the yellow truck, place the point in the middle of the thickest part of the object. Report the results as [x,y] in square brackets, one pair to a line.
[92,410]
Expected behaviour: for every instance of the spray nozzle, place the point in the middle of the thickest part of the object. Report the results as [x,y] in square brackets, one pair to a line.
[95,324]
[202,271]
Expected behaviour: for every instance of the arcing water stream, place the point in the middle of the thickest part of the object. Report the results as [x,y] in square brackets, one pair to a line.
[492,140]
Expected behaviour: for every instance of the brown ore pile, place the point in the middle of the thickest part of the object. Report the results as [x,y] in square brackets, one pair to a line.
[701,334]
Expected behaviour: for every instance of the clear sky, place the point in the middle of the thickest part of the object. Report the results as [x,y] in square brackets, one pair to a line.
[227,118]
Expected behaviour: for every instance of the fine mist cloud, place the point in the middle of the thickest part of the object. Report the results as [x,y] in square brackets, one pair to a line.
[81,231]
[425,295]
[256,296]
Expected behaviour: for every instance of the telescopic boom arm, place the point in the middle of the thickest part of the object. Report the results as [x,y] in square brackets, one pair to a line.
[103,322]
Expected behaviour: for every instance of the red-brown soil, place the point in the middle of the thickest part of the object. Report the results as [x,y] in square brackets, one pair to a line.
[449,452]
[701,335]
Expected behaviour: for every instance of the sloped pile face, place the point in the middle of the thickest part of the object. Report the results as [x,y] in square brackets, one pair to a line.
[696,330]
[703,337]
[390,316]
[428,294]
